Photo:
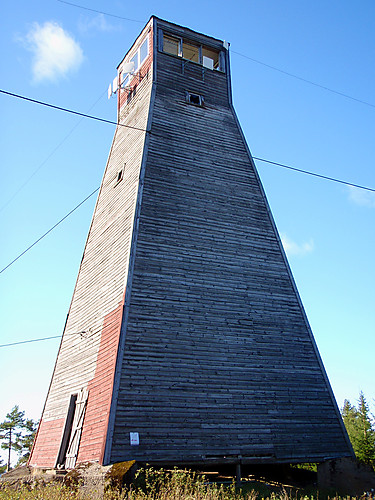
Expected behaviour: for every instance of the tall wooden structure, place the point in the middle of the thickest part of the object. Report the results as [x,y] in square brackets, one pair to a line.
[186,340]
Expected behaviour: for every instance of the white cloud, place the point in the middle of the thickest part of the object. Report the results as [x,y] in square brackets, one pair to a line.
[97,23]
[361,197]
[56,53]
[293,248]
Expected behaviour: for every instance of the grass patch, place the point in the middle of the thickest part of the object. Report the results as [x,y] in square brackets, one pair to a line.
[153,484]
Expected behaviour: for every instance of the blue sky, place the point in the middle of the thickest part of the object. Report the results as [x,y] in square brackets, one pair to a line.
[51,160]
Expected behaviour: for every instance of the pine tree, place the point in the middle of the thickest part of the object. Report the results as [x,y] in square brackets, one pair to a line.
[366,436]
[349,416]
[2,466]
[361,429]
[26,441]
[11,431]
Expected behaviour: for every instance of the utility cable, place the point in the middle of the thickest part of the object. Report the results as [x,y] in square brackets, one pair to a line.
[48,157]
[100,12]
[328,89]
[49,230]
[85,115]
[82,334]
[45,338]
[29,341]
[143,130]
[315,174]
[347,96]
[325,177]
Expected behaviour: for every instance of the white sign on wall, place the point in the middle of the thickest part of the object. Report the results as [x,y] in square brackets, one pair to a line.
[134,438]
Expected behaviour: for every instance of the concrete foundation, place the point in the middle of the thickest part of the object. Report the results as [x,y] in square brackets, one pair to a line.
[346,476]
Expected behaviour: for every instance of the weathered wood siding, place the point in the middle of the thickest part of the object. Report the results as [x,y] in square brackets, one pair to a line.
[98,294]
[194,334]
[219,360]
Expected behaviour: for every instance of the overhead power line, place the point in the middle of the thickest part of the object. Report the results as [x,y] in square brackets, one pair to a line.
[48,157]
[347,96]
[315,174]
[333,179]
[325,177]
[292,75]
[82,334]
[101,12]
[49,230]
[29,341]
[85,115]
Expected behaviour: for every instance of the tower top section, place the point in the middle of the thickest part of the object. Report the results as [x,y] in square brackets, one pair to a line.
[181,42]
[194,50]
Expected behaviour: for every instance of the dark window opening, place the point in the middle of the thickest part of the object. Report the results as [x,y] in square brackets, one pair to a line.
[195,99]
[120,176]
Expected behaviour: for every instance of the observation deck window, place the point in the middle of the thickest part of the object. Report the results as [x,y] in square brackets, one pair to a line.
[171,45]
[177,46]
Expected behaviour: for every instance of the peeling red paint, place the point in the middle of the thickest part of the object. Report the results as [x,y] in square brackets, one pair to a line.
[47,443]
[100,388]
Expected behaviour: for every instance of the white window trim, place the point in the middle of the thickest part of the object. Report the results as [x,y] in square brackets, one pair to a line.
[138,54]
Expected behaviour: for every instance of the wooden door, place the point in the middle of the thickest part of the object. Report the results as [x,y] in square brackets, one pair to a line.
[75,437]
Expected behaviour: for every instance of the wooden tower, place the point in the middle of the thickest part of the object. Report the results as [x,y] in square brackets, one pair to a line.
[186,340]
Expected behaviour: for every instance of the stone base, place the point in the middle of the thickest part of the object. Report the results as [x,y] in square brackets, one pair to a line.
[89,478]
[346,476]
[30,476]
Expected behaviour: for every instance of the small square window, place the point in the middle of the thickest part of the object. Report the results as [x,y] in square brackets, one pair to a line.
[195,99]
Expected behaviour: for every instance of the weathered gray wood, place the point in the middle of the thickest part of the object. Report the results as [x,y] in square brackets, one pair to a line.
[218,357]
[215,360]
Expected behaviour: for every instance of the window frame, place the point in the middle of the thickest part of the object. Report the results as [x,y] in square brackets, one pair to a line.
[200,47]
[147,42]
[191,96]
[179,41]
[127,77]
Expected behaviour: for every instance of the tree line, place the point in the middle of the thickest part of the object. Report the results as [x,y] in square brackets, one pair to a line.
[17,433]
[360,425]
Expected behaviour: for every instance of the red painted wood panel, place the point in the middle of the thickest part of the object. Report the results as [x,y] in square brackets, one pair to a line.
[140,74]
[100,388]
[47,443]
